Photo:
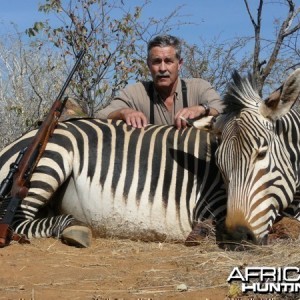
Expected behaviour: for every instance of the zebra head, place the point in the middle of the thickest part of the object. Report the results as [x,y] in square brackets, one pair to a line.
[259,158]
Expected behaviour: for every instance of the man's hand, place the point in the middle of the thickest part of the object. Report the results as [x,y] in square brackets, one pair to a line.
[133,118]
[191,112]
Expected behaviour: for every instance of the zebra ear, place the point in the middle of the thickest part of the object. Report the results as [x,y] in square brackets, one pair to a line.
[72,110]
[280,101]
[205,123]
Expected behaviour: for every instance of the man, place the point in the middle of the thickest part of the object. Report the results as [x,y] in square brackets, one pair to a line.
[167,99]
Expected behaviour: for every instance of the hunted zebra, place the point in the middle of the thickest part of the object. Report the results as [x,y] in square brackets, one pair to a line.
[157,183]
[151,184]
[259,158]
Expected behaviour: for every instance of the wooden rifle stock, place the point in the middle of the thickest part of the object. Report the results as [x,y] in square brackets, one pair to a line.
[35,150]
[27,161]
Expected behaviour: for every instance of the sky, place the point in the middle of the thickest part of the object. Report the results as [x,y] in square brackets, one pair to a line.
[225,19]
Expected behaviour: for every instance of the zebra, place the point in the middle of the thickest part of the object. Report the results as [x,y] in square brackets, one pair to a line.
[259,158]
[108,179]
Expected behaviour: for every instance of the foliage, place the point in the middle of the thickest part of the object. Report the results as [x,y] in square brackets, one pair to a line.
[115,40]
[279,55]
[115,36]
[28,79]
[270,61]
[215,61]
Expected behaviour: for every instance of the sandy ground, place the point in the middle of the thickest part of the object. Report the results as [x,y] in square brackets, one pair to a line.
[124,269]
[110,269]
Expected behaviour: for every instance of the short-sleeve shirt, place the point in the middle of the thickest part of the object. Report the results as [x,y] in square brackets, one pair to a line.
[137,97]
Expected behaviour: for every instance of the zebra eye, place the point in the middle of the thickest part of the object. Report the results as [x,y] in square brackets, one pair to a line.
[261,153]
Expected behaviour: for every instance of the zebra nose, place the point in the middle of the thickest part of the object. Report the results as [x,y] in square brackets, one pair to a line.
[238,238]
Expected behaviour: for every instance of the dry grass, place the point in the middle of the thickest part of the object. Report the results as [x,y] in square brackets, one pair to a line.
[114,269]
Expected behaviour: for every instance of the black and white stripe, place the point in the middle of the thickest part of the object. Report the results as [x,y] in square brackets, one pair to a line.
[151,183]
[259,158]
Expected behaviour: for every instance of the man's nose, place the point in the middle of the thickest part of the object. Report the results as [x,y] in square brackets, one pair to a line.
[162,67]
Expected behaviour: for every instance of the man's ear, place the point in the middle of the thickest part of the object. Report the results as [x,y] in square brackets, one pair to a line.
[180,63]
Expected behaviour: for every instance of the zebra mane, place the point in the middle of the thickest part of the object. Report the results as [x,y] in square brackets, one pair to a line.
[241,93]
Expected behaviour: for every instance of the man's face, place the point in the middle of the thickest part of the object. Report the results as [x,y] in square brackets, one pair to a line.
[164,66]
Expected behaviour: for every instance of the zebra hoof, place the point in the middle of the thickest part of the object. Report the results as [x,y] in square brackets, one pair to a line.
[77,235]
[200,231]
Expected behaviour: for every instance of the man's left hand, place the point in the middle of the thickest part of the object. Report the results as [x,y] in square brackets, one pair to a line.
[186,113]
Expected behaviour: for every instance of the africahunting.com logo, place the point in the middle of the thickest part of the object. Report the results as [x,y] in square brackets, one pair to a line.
[265,280]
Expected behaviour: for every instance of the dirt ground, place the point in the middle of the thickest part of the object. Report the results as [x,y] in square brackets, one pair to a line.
[110,269]
[124,269]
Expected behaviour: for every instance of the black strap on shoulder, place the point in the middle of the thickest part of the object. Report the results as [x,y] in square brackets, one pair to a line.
[151,92]
[184,93]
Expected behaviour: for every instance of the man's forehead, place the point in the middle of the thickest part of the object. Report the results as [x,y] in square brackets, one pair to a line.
[162,52]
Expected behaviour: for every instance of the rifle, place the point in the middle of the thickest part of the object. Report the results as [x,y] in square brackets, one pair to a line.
[14,188]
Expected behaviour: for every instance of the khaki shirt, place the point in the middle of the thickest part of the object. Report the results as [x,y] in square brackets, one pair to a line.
[136,97]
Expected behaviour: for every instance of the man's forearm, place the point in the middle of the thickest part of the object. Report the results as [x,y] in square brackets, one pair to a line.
[213,112]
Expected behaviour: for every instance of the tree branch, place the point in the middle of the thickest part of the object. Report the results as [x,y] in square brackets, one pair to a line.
[249,13]
[283,32]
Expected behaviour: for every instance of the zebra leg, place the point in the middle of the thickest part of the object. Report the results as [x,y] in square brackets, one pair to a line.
[285,228]
[71,231]
[77,234]
[200,231]
[287,224]
[32,217]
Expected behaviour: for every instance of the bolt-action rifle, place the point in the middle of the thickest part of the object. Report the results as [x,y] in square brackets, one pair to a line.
[15,186]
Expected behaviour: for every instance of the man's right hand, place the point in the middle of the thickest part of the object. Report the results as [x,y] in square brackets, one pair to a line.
[132,117]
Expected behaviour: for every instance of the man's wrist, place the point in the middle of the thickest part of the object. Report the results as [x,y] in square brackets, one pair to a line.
[206,109]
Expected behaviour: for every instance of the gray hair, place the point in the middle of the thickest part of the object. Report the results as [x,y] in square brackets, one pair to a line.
[166,41]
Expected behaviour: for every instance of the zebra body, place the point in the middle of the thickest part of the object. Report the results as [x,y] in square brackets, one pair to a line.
[156,183]
[152,183]
[259,158]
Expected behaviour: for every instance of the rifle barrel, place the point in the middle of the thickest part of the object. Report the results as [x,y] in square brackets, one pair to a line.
[79,57]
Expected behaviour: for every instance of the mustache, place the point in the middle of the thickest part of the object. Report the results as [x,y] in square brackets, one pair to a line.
[162,75]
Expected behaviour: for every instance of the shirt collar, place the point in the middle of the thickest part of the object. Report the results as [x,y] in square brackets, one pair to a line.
[177,92]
